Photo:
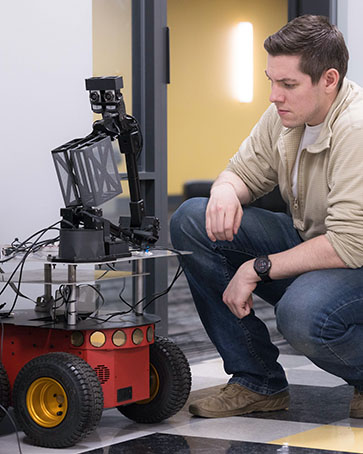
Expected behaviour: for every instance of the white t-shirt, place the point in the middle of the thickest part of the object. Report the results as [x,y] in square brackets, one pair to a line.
[309,137]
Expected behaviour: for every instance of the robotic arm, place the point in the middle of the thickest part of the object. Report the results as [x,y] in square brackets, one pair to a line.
[106,99]
[88,176]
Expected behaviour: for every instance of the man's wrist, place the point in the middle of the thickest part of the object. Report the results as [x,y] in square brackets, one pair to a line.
[222,183]
[249,272]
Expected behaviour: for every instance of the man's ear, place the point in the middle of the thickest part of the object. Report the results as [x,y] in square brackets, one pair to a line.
[331,79]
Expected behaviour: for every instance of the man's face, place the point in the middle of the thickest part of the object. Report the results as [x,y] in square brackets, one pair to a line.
[297,100]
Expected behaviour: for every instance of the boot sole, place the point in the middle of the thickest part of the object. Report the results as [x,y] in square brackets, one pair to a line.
[280,403]
[358,414]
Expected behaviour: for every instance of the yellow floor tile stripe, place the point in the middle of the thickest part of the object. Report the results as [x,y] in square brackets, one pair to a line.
[336,438]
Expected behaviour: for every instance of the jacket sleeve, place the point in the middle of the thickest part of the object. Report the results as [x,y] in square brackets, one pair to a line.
[254,161]
[344,221]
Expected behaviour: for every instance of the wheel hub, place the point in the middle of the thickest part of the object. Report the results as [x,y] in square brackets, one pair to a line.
[154,385]
[47,402]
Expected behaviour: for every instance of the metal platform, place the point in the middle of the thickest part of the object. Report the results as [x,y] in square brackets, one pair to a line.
[28,317]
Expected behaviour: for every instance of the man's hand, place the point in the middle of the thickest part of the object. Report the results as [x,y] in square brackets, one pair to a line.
[238,294]
[224,213]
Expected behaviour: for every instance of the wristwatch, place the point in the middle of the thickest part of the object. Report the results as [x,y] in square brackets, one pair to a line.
[262,266]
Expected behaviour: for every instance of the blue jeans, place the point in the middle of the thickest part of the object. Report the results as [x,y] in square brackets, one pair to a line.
[320,313]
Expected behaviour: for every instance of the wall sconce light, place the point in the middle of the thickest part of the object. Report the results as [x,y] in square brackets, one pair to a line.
[242,62]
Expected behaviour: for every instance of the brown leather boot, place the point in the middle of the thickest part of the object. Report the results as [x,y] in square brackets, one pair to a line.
[234,399]
[356,405]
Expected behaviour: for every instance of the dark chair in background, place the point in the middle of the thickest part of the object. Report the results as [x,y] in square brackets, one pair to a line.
[200,188]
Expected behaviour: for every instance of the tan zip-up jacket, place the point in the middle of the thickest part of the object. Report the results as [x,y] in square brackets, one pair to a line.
[330,177]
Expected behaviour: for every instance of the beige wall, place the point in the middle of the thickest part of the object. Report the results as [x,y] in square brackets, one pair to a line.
[112,56]
[111,26]
[205,124]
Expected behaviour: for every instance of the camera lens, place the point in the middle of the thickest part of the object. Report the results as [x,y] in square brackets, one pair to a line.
[109,96]
[94,96]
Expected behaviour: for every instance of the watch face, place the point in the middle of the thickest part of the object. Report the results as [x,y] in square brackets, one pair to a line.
[262,264]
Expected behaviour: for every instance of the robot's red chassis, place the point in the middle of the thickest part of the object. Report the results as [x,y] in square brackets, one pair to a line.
[59,378]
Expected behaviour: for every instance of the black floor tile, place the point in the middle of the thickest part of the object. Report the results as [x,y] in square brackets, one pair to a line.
[176,444]
[310,404]
[314,404]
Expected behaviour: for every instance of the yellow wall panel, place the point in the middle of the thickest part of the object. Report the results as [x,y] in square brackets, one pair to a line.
[112,45]
[205,123]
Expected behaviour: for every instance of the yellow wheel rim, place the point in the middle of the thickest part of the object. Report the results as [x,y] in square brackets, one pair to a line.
[154,385]
[47,402]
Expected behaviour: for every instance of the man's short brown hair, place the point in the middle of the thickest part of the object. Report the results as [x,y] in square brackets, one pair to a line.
[320,45]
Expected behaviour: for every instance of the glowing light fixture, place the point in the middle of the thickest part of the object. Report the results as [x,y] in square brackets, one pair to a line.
[242,62]
[97,339]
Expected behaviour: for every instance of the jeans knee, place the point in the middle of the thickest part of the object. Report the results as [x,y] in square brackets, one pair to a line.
[300,328]
[321,308]
[188,221]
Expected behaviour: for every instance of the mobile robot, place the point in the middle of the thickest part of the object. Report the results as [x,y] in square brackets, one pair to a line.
[60,369]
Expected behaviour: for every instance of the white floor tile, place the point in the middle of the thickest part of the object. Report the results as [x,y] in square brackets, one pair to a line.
[292,361]
[349,422]
[312,378]
[240,428]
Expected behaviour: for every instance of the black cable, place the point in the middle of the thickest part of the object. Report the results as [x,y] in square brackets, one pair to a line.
[65,289]
[111,267]
[178,273]
[104,320]
[19,248]
[54,306]
[14,425]
[21,264]
[122,289]
[10,278]
[65,294]
[18,289]
[132,308]
[155,296]
[124,301]
[102,300]
[97,291]
[103,275]
[23,247]
[66,298]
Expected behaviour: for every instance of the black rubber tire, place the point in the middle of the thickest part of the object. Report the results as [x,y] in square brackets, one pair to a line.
[83,392]
[4,390]
[173,391]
